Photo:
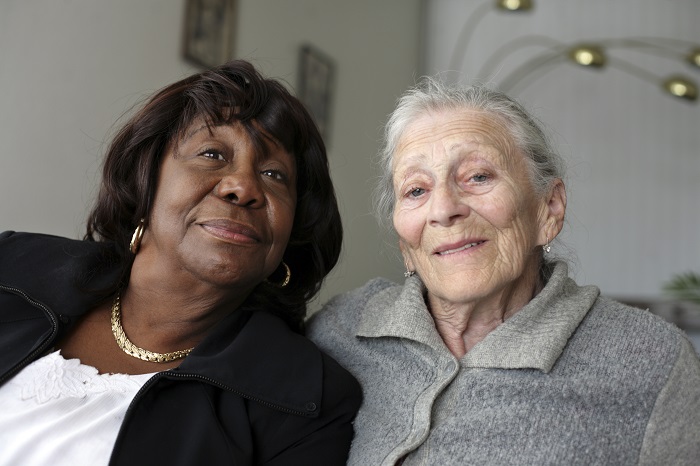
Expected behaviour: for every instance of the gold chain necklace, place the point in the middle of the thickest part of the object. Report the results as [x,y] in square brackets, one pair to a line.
[131,349]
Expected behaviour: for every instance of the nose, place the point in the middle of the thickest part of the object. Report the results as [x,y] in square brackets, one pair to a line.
[241,187]
[448,204]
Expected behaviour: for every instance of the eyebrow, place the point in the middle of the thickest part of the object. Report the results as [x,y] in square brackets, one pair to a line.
[270,138]
[420,157]
[191,133]
[408,171]
[410,159]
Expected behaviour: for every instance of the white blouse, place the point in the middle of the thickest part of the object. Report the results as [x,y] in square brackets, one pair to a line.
[61,412]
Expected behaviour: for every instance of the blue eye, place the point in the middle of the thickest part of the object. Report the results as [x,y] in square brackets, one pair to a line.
[480,178]
[415,192]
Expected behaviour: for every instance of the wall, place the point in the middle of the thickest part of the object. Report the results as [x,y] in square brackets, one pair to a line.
[634,162]
[70,68]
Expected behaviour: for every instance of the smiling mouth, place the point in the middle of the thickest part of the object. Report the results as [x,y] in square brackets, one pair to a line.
[461,248]
[231,231]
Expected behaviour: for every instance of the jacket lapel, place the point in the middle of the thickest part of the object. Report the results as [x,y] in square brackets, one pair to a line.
[257,363]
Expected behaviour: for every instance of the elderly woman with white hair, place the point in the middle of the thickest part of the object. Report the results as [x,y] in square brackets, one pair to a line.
[490,353]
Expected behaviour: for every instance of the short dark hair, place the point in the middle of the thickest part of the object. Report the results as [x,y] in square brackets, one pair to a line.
[233,92]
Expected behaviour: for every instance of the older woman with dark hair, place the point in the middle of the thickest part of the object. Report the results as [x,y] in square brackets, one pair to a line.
[489,353]
[171,334]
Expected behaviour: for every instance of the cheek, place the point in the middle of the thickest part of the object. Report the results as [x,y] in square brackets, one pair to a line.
[282,220]
[506,207]
[516,223]
[501,215]
[165,206]
[409,226]
[173,208]
[177,188]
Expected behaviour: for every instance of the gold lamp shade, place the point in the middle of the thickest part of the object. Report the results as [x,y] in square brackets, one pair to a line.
[514,5]
[694,57]
[681,87]
[588,55]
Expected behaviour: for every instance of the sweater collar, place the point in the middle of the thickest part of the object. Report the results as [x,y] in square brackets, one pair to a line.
[532,338]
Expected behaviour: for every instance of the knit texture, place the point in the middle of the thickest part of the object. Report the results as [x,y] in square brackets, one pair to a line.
[572,378]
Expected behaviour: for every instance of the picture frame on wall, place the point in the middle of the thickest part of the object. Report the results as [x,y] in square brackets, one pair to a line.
[315,88]
[209,31]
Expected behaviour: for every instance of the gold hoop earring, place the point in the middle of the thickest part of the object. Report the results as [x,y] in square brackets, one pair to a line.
[136,237]
[287,277]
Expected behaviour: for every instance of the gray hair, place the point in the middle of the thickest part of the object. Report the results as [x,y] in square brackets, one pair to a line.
[546,165]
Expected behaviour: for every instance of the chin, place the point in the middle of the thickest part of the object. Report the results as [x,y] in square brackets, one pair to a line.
[226,274]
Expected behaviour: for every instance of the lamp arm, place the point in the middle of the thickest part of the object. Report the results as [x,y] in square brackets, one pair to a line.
[659,42]
[465,33]
[643,45]
[688,86]
[527,68]
[502,52]
[634,70]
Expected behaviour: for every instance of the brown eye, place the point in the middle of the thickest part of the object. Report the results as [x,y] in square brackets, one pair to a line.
[275,175]
[212,154]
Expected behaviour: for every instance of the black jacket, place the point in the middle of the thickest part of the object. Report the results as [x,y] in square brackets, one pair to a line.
[253,392]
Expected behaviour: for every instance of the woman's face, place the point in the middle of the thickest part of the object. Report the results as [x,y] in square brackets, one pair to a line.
[468,219]
[223,212]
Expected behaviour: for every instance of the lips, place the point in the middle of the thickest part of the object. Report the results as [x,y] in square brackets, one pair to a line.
[231,231]
[447,249]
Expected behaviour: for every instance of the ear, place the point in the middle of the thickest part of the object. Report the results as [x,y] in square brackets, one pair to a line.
[554,210]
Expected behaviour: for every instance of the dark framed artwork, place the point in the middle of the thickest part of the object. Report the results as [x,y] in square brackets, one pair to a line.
[209,31]
[315,88]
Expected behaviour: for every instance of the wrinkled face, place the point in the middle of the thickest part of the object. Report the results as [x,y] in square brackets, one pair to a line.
[223,211]
[467,217]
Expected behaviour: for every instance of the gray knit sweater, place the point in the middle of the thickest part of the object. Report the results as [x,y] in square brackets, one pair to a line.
[572,378]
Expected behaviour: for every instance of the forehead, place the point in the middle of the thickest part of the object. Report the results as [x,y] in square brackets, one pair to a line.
[200,128]
[454,130]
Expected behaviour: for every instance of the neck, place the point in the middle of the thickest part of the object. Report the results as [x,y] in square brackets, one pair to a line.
[170,312]
[463,325]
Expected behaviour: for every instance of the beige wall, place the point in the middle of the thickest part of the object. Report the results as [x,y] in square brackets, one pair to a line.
[69,69]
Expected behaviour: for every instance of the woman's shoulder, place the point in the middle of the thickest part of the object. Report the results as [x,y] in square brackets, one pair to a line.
[44,247]
[341,389]
[277,345]
[625,333]
[25,245]
[345,309]
[295,369]
[625,318]
[42,263]
[29,236]
[17,238]
[360,296]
